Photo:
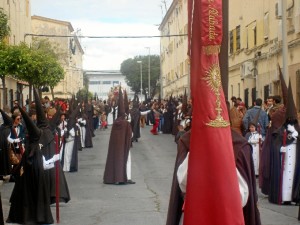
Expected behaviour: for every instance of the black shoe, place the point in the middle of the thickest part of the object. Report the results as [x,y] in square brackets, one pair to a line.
[130,182]
[136,140]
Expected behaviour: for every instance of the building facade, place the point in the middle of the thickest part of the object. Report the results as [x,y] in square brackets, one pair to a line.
[101,82]
[19,15]
[173,50]
[64,38]
[255,48]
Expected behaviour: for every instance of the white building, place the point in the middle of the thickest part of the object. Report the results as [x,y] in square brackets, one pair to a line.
[101,82]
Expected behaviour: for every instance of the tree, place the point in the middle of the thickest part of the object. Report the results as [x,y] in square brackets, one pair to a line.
[131,70]
[35,66]
[4,32]
[4,27]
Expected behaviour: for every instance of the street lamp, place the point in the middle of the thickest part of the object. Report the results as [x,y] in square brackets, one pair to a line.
[141,69]
[148,70]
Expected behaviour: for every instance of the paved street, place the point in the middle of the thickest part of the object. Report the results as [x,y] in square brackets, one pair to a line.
[144,203]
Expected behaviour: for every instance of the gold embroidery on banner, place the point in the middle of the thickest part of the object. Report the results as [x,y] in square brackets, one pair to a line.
[213,80]
[211,49]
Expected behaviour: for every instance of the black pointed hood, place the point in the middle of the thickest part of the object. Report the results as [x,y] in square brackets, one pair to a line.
[6,119]
[284,88]
[121,109]
[184,103]
[126,103]
[135,103]
[53,123]
[291,111]
[42,121]
[34,132]
[72,118]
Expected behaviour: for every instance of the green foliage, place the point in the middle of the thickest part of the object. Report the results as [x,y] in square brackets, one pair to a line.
[4,28]
[37,67]
[131,70]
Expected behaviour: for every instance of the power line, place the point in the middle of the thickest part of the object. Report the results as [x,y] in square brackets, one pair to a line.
[105,37]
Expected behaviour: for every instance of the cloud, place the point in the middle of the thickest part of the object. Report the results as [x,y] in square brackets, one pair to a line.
[108,18]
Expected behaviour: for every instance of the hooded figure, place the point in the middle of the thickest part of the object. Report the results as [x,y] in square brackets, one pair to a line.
[168,118]
[135,119]
[277,120]
[118,149]
[48,150]
[69,153]
[30,199]
[5,128]
[285,160]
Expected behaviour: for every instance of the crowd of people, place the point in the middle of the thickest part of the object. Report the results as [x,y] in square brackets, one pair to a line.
[44,137]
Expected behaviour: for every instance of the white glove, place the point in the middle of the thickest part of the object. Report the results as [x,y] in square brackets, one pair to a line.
[62,132]
[17,140]
[283,149]
[295,134]
[56,157]
[291,128]
[65,129]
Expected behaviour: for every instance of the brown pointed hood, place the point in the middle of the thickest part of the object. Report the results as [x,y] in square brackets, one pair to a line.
[42,121]
[291,111]
[126,103]
[6,119]
[284,88]
[34,132]
[121,109]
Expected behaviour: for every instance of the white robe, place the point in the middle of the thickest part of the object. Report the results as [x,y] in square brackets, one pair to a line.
[68,151]
[289,172]
[254,141]
[82,131]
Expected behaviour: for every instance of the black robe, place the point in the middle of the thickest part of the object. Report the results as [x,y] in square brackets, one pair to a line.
[168,122]
[76,148]
[48,150]
[88,143]
[30,199]
[117,155]
[5,165]
[244,163]
[275,163]
[176,198]
[135,123]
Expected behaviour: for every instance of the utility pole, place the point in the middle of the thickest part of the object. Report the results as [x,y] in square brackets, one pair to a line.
[149,90]
[284,44]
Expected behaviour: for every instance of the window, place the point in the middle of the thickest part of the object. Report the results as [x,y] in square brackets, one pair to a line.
[95,82]
[238,37]
[231,42]
[106,82]
[115,83]
[266,26]
[252,35]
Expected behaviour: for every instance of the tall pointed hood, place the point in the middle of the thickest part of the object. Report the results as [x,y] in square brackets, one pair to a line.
[42,121]
[284,88]
[291,112]
[121,109]
[135,103]
[184,103]
[6,119]
[53,123]
[72,118]
[34,132]
[126,103]
[159,99]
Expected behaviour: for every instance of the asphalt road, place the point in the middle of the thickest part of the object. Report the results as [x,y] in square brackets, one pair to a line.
[143,203]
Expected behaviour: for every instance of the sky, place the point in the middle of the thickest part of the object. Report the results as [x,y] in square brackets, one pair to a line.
[108,18]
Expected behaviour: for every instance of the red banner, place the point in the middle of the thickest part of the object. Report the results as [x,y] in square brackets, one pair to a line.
[213,196]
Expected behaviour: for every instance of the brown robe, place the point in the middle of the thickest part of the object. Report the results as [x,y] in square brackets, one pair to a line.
[176,198]
[278,118]
[118,149]
[244,163]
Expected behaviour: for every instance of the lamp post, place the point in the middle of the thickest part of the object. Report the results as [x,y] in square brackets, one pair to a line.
[141,70]
[148,71]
